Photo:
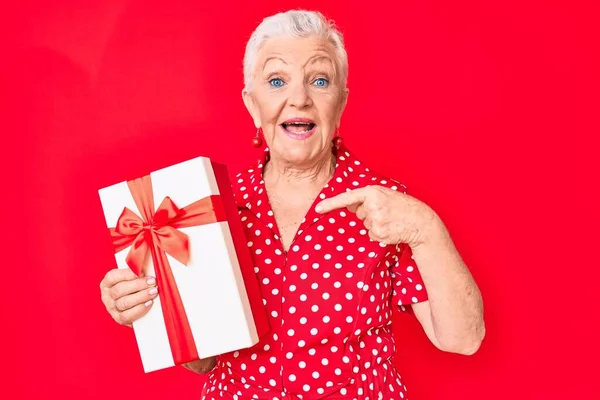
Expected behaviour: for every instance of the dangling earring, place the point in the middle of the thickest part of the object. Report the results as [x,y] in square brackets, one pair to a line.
[257,140]
[337,140]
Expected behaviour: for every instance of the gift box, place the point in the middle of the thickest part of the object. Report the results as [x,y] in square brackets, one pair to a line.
[180,224]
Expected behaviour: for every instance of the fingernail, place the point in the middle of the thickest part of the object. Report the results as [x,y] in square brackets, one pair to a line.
[147,304]
[319,208]
[151,281]
[153,291]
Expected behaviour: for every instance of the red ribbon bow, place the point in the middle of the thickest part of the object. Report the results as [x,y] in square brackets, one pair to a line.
[157,232]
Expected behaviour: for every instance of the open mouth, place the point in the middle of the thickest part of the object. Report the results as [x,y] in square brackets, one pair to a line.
[298,128]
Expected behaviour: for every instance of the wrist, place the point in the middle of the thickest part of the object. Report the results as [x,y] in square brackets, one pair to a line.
[430,229]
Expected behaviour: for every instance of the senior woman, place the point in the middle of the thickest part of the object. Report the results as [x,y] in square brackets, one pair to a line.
[335,245]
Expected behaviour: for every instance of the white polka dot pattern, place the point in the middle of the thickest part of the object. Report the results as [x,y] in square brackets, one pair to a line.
[329,299]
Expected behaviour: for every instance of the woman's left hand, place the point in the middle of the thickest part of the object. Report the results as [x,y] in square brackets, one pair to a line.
[453,321]
[391,217]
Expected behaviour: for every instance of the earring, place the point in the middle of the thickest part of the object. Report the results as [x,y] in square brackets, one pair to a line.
[257,140]
[337,140]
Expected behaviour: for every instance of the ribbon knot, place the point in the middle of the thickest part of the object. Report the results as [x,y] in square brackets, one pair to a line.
[157,232]
[158,228]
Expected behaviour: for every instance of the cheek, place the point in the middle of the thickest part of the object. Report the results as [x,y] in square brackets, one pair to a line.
[270,109]
[328,106]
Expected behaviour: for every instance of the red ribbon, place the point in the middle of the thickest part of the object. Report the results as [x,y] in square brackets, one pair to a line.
[157,232]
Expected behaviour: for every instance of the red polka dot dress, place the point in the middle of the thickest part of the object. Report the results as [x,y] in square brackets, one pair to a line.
[329,300]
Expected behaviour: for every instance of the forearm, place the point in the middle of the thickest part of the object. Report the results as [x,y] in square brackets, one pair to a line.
[201,366]
[455,302]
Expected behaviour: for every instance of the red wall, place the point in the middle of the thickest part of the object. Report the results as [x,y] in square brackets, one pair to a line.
[493,110]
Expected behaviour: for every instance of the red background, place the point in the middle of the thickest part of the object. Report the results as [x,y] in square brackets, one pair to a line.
[493,109]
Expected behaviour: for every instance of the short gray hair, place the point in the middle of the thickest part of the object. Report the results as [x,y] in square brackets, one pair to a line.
[298,24]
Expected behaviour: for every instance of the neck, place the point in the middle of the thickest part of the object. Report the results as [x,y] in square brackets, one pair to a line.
[318,171]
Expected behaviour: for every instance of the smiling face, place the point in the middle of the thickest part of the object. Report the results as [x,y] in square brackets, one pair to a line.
[297,98]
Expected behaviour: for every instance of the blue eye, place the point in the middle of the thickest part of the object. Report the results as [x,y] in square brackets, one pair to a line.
[321,82]
[276,82]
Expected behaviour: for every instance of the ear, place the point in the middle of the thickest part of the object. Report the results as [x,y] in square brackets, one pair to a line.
[251,107]
[343,102]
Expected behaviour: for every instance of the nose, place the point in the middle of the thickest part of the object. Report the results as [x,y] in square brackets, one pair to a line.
[300,96]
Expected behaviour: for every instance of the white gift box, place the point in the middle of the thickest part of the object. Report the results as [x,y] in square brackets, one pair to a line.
[213,284]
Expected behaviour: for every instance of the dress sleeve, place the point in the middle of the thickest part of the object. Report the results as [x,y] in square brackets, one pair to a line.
[407,284]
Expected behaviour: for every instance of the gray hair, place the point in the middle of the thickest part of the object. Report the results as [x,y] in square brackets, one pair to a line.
[297,24]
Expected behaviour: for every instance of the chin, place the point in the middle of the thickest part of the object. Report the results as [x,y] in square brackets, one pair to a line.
[298,153]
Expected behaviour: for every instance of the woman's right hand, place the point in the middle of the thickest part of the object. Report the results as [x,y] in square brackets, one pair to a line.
[127,297]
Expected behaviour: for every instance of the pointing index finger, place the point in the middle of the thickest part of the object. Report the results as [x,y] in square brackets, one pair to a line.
[342,200]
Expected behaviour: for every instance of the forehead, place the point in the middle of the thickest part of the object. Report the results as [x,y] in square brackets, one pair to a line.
[291,50]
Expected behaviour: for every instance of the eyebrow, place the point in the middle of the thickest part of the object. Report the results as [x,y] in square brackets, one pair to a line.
[273,58]
[319,57]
